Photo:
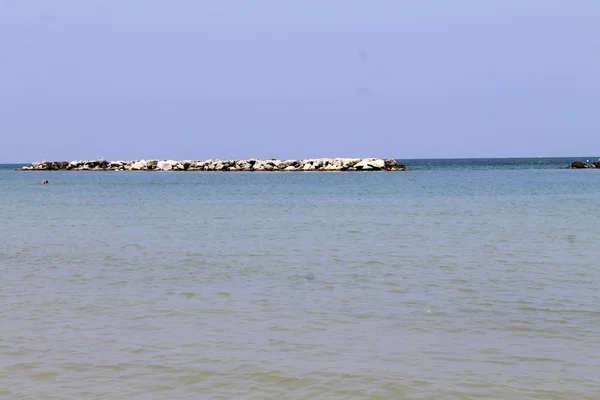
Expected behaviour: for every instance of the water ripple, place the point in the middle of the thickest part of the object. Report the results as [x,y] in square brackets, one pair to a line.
[192,286]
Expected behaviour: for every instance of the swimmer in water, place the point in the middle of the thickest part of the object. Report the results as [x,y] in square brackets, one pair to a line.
[44,182]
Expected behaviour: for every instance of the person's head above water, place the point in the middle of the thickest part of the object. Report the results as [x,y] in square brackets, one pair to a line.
[44,182]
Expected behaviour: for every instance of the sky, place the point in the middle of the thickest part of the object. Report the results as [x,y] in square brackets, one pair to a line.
[206,79]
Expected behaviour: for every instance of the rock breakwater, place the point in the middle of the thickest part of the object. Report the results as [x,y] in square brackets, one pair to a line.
[583,165]
[321,164]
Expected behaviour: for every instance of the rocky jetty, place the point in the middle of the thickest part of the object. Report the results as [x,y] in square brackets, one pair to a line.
[321,164]
[583,165]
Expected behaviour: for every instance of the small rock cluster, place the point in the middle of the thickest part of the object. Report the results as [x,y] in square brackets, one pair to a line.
[584,165]
[321,164]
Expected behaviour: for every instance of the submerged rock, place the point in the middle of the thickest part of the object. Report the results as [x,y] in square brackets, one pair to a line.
[309,276]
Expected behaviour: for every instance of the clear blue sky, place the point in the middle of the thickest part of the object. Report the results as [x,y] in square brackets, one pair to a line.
[293,79]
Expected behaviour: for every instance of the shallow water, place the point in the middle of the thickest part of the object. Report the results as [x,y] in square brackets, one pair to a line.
[430,284]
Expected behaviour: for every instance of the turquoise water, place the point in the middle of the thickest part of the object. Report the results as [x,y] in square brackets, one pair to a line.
[451,281]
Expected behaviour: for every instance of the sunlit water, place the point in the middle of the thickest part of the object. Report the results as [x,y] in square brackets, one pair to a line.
[449,283]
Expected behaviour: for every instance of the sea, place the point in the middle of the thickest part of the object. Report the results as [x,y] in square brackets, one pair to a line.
[458,279]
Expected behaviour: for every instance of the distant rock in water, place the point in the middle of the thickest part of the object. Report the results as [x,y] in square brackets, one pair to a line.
[583,165]
[320,164]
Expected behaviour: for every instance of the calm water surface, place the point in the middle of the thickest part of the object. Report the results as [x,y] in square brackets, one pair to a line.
[448,283]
